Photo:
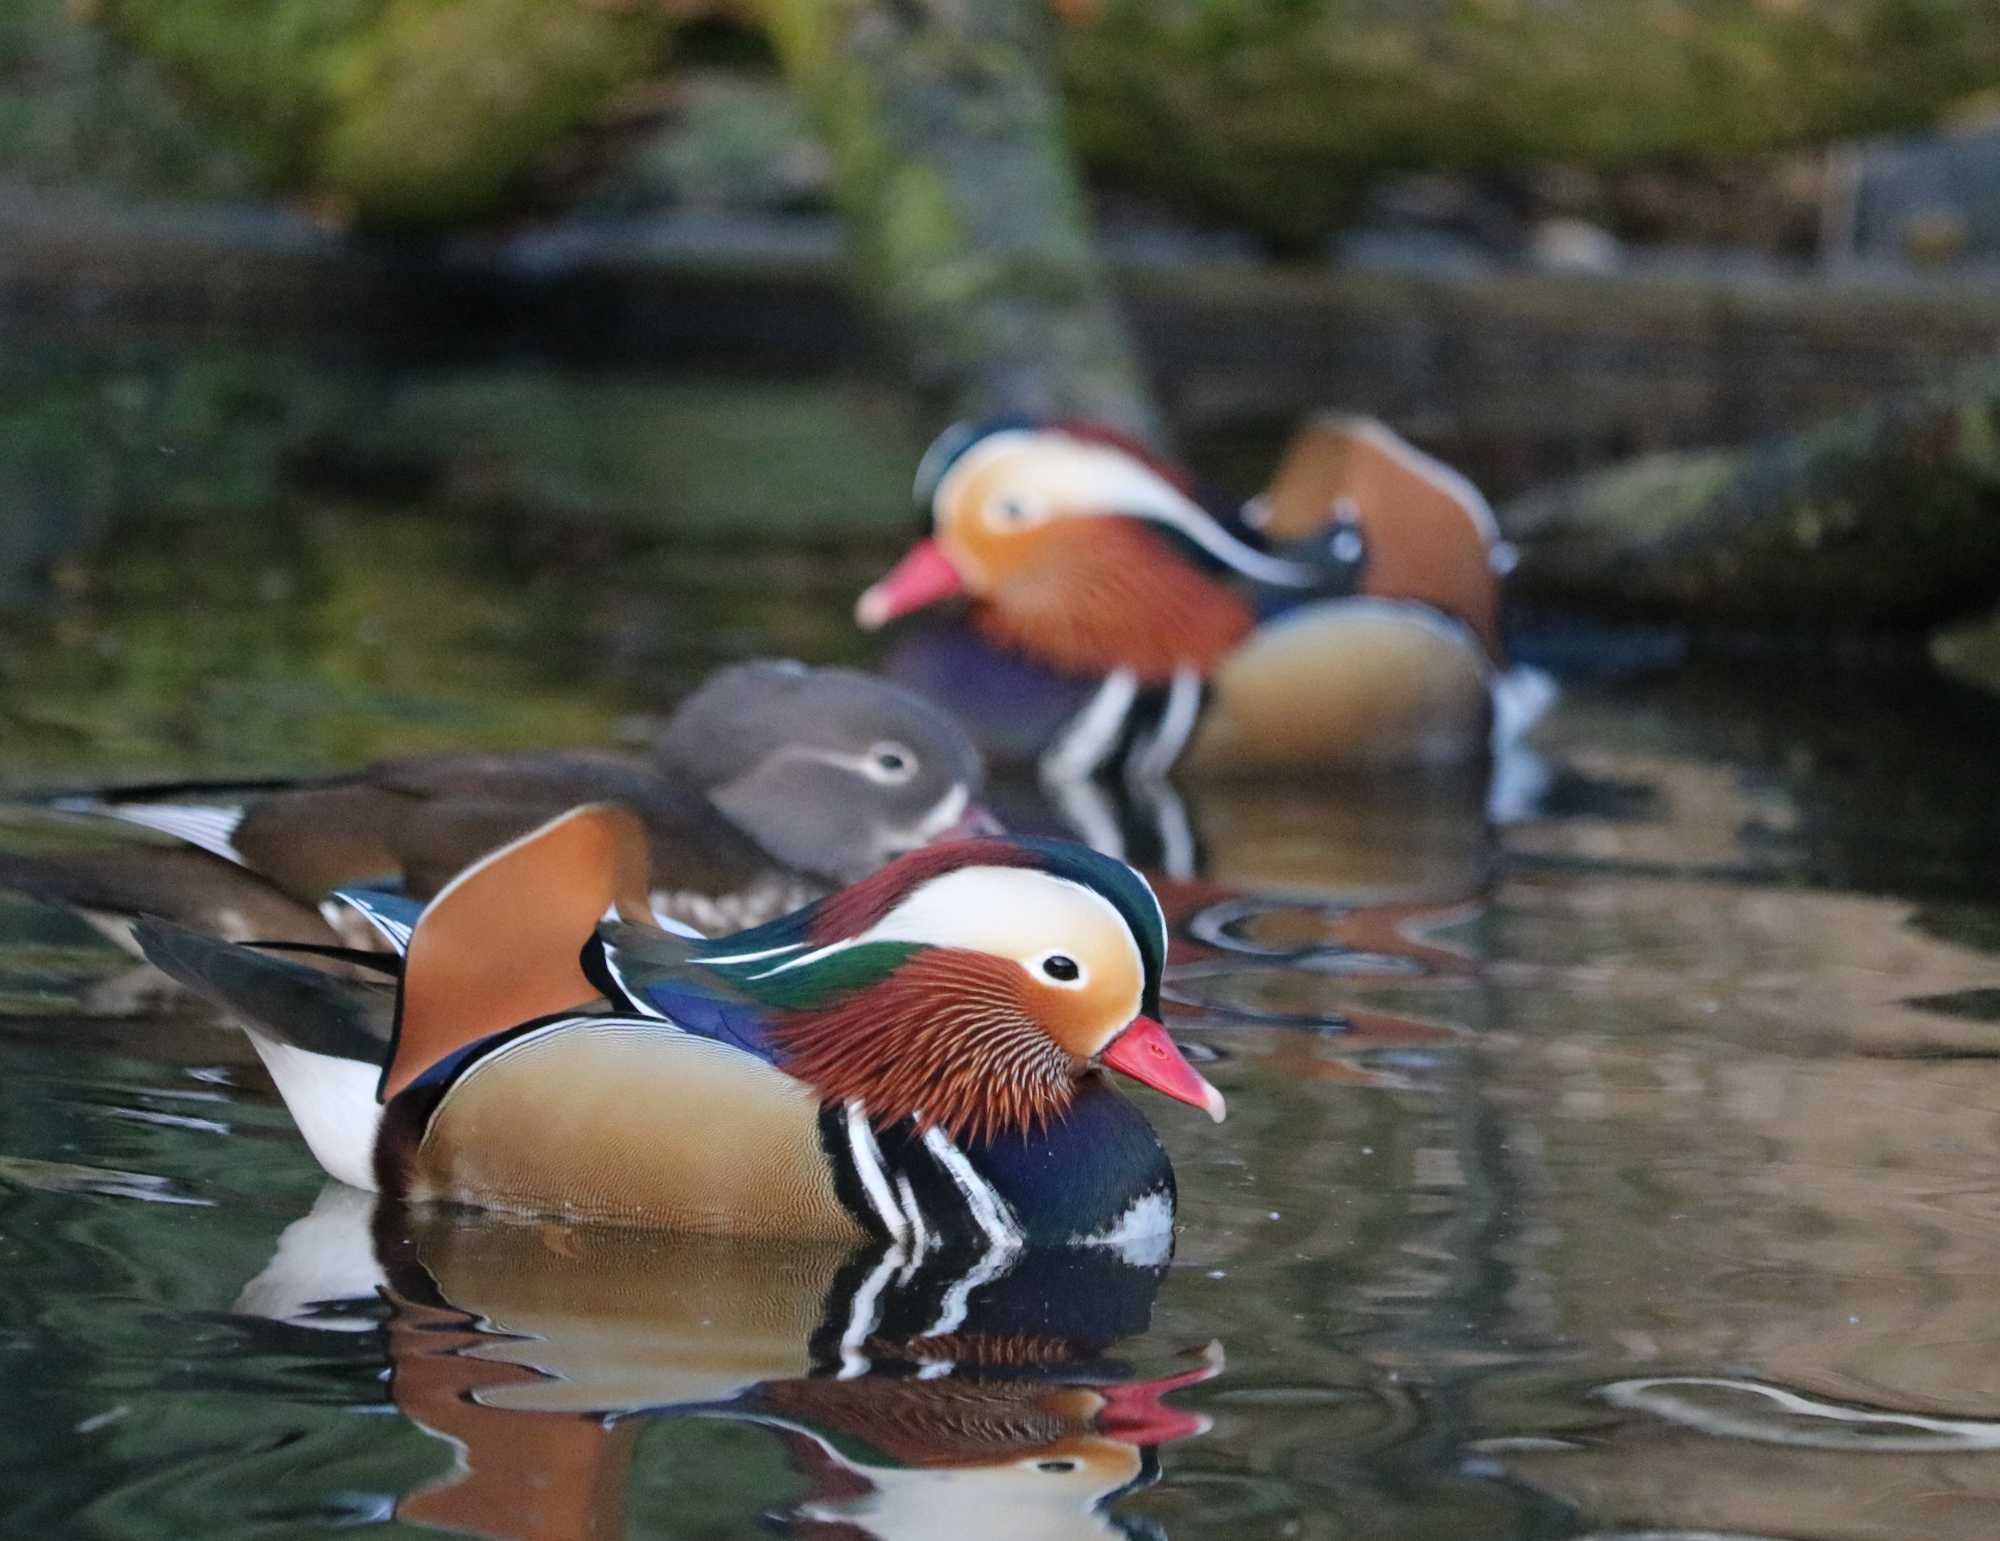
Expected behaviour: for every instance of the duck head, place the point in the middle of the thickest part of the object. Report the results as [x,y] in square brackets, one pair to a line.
[832,771]
[973,987]
[1077,546]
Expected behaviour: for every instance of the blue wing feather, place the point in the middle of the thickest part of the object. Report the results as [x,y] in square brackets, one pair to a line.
[734,1023]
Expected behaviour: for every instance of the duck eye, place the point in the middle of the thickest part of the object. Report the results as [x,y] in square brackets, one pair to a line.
[1009,511]
[1058,1468]
[889,763]
[1061,968]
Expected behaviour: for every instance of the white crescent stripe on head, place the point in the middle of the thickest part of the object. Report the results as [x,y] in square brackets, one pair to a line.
[920,1232]
[1005,911]
[1096,479]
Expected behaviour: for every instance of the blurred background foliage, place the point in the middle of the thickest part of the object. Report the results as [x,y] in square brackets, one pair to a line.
[677,265]
[1275,114]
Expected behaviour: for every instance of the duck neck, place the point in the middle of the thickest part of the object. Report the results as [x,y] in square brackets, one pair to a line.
[1110,593]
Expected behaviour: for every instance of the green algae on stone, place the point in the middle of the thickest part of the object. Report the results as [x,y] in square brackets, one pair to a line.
[1275,112]
[1885,519]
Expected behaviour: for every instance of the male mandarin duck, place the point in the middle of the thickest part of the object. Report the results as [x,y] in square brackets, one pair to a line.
[771,784]
[1349,616]
[913,1058]
[964,1392]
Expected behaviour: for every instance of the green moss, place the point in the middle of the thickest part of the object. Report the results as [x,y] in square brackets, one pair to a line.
[407,111]
[1276,111]
[446,100]
[78,111]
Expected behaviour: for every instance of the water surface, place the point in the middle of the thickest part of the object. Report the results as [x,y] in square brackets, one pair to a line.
[1626,1172]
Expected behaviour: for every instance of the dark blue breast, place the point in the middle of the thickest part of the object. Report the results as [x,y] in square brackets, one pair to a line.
[1082,1174]
[1013,707]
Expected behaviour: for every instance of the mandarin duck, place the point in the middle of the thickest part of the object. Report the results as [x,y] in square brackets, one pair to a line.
[771,784]
[1348,616]
[905,1393]
[914,1058]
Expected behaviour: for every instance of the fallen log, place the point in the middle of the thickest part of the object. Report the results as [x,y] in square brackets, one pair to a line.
[1881,520]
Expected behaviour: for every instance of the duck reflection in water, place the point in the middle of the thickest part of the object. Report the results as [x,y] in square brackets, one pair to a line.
[966,1394]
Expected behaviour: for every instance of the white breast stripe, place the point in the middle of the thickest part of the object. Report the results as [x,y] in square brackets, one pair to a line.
[920,1234]
[1177,844]
[991,1213]
[993,1262]
[1156,756]
[1092,732]
[206,827]
[861,1320]
[1091,814]
[874,1182]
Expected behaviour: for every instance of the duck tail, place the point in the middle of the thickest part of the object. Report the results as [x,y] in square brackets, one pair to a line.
[121,883]
[278,997]
[322,1038]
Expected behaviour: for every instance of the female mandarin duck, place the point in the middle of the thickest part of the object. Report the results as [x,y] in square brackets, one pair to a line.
[913,1058]
[769,785]
[1348,616]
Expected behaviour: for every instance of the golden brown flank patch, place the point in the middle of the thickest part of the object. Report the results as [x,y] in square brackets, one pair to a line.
[633,1124]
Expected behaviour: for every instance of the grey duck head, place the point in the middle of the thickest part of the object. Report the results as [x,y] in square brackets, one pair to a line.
[832,771]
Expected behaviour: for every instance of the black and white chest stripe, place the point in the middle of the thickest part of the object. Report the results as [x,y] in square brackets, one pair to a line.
[917,1192]
[1146,730]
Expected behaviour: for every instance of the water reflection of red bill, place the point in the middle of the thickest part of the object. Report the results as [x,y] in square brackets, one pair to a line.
[903,1389]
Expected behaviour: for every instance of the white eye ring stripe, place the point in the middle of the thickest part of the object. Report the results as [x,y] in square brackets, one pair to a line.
[862,765]
[1173,508]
